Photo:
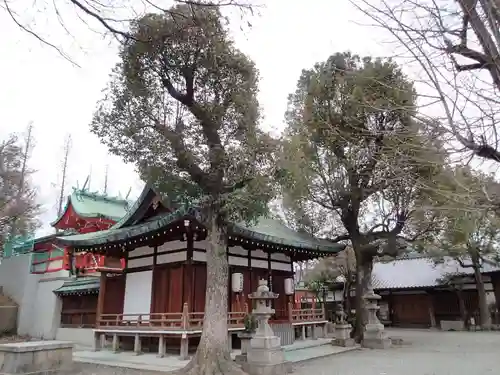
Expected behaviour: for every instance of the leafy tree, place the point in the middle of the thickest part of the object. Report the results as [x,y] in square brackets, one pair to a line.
[353,151]
[470,232]
[18,207]
[184,108]
[324,273]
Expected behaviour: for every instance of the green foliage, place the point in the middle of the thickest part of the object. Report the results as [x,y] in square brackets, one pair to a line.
[353,149]
[183,108]
[250,323]
[469,224]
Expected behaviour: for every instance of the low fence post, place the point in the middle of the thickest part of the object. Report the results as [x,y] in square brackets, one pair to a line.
[185,316]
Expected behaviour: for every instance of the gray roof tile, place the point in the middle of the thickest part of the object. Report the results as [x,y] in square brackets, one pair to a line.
[417,272]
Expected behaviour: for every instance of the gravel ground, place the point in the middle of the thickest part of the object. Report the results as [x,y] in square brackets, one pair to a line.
[422,353]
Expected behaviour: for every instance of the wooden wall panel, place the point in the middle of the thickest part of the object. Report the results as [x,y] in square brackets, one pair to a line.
[280,304]
[411,310]
[495,279]
[114,295]
[167,294]
[175,294]
[159,298]
[199,287]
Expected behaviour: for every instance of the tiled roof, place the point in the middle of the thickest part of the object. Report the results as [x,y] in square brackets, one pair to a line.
[83,285]
[417,272]
[265,230]
[94,205]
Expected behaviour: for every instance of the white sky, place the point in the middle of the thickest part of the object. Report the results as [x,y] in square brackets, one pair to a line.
[38,85]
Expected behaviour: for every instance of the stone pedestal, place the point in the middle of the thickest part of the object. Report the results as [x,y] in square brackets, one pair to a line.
[374,336]
[343,335]
[36,358]
[265,355]
[245,338]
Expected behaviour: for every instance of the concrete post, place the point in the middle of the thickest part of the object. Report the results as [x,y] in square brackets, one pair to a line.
[184,347]
[161,346]
[97,342]
[116,343]
[137,344]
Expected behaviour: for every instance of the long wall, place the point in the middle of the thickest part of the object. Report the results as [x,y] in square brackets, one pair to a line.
[39,307]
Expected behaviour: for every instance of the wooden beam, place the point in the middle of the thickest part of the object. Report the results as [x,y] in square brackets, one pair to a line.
[101,298]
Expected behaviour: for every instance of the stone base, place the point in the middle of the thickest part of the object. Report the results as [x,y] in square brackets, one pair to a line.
[266,357]
[377,343]
[240,359]
[346,343]
[283,368]
[36,358]
[452,325]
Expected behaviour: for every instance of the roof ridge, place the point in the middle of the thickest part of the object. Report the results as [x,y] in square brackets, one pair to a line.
[103,197]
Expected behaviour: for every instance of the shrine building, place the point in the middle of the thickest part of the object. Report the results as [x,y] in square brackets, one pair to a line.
[156,303]
[43,276]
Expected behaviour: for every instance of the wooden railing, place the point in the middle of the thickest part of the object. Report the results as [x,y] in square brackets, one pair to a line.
[183,321]
[78,319]
[305,315]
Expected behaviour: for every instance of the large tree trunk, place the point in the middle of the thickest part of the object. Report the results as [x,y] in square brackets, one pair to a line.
[364,266]
[461,307]
[212,356]
[484,313]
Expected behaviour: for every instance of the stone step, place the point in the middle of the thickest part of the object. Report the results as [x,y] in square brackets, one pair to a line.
[299,345]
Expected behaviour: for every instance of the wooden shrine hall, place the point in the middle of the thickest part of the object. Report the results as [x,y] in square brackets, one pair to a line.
[157,302]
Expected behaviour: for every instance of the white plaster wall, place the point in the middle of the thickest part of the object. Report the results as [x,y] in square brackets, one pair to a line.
[21,286]
[138,293]
[238,261]
[238,250]
[140,262]
[171,258]
[82,337]
[47,309]
[173,245]
[257,263]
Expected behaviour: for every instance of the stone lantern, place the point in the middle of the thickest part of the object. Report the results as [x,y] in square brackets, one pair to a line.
[265,355]
[374,336]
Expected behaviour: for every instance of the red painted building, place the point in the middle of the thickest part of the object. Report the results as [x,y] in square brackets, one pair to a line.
[85,212]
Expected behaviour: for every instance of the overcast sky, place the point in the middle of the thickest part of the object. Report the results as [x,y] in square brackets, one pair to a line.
[38,85]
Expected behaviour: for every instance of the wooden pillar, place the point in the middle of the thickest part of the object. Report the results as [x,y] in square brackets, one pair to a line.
[100,299]
[188,284]
[269,272]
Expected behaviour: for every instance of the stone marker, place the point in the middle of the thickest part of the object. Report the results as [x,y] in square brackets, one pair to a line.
[343,330]
[245,338]
[36,357]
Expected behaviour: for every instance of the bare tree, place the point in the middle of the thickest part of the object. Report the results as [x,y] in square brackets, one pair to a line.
[62,195]
[455,45]
[108,17]
[18,206]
